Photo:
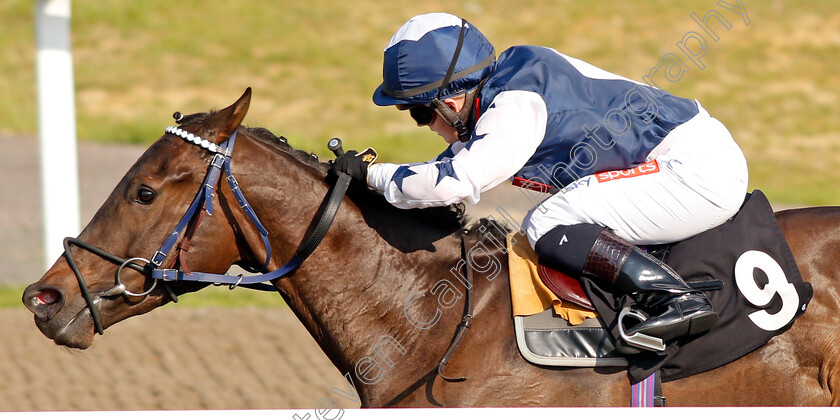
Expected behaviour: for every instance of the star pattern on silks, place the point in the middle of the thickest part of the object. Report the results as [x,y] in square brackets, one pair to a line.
[401,174]
[448,153]
[474,139]
[445,169]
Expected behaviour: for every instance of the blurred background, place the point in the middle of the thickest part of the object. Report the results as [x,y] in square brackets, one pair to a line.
[313,64]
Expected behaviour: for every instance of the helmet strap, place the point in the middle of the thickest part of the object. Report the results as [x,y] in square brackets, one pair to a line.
[454,60]
[451,117]
[457,119]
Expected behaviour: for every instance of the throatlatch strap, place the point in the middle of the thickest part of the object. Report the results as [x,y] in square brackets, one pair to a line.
[222,162]
[328,215]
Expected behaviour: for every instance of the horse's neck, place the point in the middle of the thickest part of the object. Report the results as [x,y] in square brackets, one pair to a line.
[360,297]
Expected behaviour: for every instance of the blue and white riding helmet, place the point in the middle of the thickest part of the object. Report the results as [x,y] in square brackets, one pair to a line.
[419,56]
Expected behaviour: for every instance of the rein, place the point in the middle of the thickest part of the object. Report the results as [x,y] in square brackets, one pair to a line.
[221,161]
[460,334]
[152,269]
[192,218]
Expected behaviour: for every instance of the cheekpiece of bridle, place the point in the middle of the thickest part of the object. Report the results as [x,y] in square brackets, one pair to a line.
[221,162]
[201,204]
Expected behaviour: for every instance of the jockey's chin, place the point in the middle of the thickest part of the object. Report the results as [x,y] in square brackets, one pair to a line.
[439,126]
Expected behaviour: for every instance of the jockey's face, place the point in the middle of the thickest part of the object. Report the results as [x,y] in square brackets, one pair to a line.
[439,125]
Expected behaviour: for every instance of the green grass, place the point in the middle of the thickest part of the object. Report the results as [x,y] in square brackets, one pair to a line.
[10,296]
[314,64]
[222,297]
[210,297]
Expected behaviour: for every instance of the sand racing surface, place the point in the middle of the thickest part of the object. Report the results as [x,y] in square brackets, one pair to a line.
[170,358]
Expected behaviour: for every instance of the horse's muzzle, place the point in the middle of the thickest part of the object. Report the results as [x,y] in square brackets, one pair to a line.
[43,301]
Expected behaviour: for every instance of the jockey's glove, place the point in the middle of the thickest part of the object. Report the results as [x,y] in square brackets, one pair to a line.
[354,164]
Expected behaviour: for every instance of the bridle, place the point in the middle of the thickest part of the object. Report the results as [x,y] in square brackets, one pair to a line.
[221,162]
[201,204]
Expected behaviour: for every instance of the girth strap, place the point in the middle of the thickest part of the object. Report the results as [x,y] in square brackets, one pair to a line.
[648,392]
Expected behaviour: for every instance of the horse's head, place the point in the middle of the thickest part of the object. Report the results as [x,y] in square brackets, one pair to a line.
[134,221]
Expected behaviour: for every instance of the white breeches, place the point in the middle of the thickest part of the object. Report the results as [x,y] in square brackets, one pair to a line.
[696,184]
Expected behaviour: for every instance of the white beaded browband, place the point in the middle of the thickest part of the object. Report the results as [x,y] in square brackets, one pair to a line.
[198,141]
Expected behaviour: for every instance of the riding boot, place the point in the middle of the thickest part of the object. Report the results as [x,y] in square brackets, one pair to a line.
[674,309]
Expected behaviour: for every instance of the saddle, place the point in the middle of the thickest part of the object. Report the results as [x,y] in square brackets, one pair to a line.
[554,321]
[561,321]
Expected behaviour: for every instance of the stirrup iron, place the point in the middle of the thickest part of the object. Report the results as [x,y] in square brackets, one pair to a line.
[638,340]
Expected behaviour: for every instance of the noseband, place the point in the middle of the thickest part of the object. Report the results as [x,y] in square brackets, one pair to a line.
[189,222]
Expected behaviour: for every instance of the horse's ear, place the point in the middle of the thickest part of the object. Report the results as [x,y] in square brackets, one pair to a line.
[229,118]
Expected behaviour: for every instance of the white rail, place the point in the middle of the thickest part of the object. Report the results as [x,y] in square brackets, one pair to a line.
[56,126]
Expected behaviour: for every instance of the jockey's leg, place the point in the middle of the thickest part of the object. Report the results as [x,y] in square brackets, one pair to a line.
[674,308]
[696,184]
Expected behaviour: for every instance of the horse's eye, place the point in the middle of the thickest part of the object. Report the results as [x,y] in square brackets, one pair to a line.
[145,195]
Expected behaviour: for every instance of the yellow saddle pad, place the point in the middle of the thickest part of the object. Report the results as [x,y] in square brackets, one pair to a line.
[529,295]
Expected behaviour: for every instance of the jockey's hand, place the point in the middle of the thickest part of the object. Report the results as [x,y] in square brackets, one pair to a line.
[354,164]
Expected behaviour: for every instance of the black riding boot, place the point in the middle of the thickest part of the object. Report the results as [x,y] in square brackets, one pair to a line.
[673,307]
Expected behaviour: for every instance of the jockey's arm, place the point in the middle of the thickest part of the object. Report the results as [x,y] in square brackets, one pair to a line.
[505,137]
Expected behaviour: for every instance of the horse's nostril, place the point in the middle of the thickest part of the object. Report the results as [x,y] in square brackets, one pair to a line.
[47,296]
[44,302]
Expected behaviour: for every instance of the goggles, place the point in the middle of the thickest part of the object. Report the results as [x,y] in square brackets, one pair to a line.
[422,114]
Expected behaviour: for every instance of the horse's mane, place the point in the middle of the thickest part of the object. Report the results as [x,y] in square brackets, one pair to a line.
[451,218]
[266,136]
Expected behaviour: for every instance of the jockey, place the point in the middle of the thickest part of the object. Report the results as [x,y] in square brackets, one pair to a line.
[628,163]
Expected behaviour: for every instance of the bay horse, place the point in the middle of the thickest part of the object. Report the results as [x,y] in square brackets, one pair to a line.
[369,293]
